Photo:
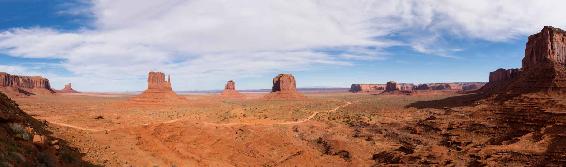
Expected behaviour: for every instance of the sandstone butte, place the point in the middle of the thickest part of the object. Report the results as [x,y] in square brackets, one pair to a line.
[230,91]
[284,87]
[68,89]
[543,67]
[24,85]
[159,91]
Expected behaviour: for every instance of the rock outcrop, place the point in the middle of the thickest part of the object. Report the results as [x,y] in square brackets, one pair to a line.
[25,141]
[159,91]
[26,85]
[543,70]
[230,91]
[367,88]
[68,89]
[284,87]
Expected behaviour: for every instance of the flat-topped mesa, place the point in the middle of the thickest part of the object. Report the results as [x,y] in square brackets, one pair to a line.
[367,88]
[501,74]
[158,91]
[284,87]
[68,89]
[27,85]
[230,90]
[543,70]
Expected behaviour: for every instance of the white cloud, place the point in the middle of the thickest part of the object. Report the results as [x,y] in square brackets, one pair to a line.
[210,40]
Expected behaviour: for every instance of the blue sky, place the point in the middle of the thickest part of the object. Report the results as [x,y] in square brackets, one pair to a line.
[111,45]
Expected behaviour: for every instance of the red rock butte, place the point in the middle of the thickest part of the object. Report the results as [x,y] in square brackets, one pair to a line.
[158,91]
[68,89]
[24,85]
[230,91]
[284,87]
[543,70]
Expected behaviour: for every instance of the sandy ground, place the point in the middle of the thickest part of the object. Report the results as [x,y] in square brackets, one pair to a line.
[326,129]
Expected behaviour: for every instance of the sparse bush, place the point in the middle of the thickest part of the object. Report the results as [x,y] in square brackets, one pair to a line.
[20,131]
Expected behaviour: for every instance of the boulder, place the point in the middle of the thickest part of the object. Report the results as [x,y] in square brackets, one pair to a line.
[230,90]
[26,85]
[284,87]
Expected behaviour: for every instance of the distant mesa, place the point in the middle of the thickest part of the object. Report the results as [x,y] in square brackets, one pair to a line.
[409,87]
[367,88]
[284,87]
[24,85]
[543,69]
[68,89]
[230,90]
[159,91]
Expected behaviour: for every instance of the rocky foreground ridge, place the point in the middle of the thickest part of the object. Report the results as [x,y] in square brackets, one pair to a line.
[25,141]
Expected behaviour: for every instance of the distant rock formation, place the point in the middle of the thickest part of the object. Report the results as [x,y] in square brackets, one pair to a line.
[26,85]
[158,91]
[543,70]
[230,90]
[284,87]
[367,88]
[391,86]
[68,89]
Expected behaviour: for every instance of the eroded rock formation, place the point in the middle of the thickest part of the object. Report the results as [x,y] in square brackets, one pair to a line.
[159,91]
[27,85]
[284,87]
[543,70]
[68,89]
[230,90]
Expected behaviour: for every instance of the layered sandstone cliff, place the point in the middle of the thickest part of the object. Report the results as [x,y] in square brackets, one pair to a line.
[543,70]
[284,87]
[230,91]
[159,91]
[27,85]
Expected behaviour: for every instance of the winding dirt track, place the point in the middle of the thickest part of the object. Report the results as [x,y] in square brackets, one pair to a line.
[215,124]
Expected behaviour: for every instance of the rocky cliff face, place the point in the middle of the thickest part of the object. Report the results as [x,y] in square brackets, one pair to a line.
[28,85]
[284,87]
[544,67]
[68,89]
[546,49]
[230,90]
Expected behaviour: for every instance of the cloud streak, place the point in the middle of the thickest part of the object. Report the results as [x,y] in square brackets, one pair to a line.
[211,40]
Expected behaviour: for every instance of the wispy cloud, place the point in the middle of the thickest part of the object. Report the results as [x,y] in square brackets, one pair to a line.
[209,40]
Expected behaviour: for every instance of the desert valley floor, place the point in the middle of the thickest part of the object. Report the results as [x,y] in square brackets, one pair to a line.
[325,129]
